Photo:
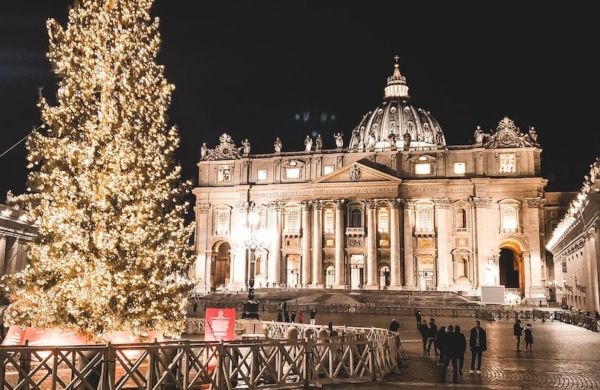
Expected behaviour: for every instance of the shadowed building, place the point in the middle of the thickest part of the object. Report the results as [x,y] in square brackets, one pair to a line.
[16,231]
[396,207]
[575,246]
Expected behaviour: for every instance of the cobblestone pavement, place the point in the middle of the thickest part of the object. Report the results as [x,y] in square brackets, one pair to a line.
[564,356]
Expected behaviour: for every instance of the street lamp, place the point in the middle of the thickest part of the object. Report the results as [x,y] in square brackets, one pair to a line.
[252,240]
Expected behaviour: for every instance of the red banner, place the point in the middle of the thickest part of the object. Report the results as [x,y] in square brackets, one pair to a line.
[219,324]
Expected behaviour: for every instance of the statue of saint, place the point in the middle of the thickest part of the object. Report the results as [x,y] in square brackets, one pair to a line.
[371,139]
[278,145]
[246,146]
[308,143]
[203,150]
[478,136]
[407,140]
[392,137]
[339,140]
[318,143]
[354,140]
[533,135]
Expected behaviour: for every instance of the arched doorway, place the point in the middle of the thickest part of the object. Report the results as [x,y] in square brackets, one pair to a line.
[510,266]
[220,267]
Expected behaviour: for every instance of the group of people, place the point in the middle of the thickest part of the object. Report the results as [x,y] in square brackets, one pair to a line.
[518,331]
[284,315]
[450,344]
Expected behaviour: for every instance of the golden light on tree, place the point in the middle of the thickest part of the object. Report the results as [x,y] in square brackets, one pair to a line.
[113,248]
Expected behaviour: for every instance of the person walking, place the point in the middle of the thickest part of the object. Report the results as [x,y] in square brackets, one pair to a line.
[442,345]
[418,317]
[451,353]
[313,316]
[394,326]
[461,347]
[478,344]
[300,317]
[424,331]
[518,332]
[529,338]
[432,334]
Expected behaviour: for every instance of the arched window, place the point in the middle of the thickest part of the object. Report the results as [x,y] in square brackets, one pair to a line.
[510,222]
[461,219]
[222,225]
[329,221]
[383,221]
[292,220]
[355,218]
[424,219]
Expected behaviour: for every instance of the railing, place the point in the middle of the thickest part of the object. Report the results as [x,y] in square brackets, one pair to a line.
[356,355]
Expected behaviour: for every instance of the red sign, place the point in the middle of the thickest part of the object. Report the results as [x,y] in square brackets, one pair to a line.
[219,324]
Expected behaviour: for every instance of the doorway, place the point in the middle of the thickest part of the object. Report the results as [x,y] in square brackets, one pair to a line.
[357,274]
[221,263]
[384,277]
[293,270]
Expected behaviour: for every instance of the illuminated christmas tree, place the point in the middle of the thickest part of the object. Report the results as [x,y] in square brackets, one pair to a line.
[113,248]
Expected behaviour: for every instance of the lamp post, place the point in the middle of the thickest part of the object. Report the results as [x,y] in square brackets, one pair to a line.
[252,240]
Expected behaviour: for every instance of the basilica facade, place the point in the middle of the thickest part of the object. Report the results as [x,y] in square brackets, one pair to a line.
[395,207]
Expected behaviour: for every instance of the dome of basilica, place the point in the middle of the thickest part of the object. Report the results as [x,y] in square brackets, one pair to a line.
[396,121]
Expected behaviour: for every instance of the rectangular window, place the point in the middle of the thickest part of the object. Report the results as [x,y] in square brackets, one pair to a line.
[553,214]
[424,221]
[292,173]
[459,168]
[508,163]
[261,175]
[423,169]
[224,175]
[564,266]
[327,169]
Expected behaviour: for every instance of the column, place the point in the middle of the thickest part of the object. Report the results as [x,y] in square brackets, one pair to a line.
[443,252]
[306,258]
[275,224]
[487,226]
[590,253]
[2,254]
[395,270]
[409,261]
[239,263]
[317,245]
[340,239]
[202,265]
[372,282]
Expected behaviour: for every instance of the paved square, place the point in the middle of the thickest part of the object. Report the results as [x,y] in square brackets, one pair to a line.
[564,356]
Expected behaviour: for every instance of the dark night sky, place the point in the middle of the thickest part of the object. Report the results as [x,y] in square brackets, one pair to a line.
[248,67]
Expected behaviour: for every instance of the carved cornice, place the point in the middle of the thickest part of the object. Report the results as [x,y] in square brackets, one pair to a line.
[277,206]
[508,135]
[483,202]
[244,207]
[317,204]
[371,203]
[226,150]
[394,203]
[442,203]
[202,208]
[534,203]
[339,204]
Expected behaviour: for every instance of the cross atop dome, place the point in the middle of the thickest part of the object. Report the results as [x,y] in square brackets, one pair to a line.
[396,83]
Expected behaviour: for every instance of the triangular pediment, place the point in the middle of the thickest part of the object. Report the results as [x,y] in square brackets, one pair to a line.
[359,173]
